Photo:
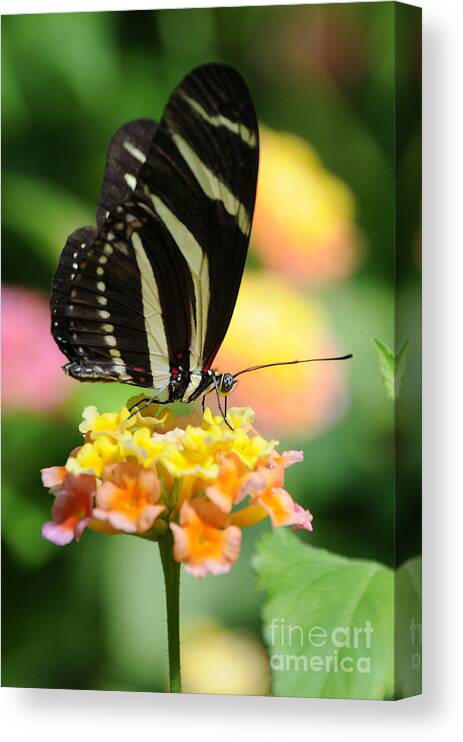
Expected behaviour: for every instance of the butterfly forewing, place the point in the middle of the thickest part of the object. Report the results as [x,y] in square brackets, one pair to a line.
[201,176]
[148,297]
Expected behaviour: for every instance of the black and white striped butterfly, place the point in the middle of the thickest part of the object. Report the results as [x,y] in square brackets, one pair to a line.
[146,297]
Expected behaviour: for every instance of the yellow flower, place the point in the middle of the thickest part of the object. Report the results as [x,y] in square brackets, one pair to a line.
[181,463]
[238,417]
[253,449]
[117,423]
[107,423]
[92,458]
[144,446]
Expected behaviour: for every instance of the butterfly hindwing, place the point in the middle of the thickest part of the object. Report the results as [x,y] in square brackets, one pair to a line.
[97,309]
[126,154]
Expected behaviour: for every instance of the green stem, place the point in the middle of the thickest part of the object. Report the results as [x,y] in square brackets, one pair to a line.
[171,570]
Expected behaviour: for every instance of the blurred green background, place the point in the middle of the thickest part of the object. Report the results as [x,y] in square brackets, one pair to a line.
[91,615]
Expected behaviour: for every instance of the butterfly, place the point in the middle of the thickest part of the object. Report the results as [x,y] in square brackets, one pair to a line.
[146,296]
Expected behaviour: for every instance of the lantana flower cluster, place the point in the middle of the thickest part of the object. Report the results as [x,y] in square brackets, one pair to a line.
[147,472]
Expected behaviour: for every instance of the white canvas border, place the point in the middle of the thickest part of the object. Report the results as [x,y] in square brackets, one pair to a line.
[71,715]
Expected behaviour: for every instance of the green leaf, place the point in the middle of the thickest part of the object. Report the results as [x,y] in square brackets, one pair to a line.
[328,621]
[391,366]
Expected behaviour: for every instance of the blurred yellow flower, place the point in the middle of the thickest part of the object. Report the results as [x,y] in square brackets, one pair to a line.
[304,217]
[274,322]
[219,660]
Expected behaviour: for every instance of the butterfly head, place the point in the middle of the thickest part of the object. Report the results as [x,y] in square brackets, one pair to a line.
[226,383]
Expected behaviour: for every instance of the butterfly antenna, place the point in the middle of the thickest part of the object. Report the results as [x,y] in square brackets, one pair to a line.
[290,363]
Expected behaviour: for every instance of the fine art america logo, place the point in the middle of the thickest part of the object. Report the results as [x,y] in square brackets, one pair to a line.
[343,649]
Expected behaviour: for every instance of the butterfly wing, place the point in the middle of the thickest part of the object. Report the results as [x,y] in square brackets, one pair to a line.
[200,176]
[155,285]
[125,156]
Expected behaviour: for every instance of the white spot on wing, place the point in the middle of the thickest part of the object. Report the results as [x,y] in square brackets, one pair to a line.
[134,151]
[130,180]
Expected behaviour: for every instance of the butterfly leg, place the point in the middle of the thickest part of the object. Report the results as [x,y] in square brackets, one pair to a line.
[136,404]
[146,401]
[224,414]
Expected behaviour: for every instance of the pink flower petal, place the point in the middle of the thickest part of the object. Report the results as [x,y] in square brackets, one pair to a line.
[57,534]
[72,510]
[53,476]
[288,458]
[303,519]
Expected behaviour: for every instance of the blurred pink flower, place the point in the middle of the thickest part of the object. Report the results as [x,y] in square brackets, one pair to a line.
[32,377]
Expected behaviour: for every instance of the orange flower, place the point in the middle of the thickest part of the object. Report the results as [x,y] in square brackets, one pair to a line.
[226,490]
[265,487]
[201,546]
[72,507]
[126,497]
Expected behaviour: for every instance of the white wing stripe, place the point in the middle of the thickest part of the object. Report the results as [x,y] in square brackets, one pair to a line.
[198,264]
[242,131]
[154,326]
[211,185]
